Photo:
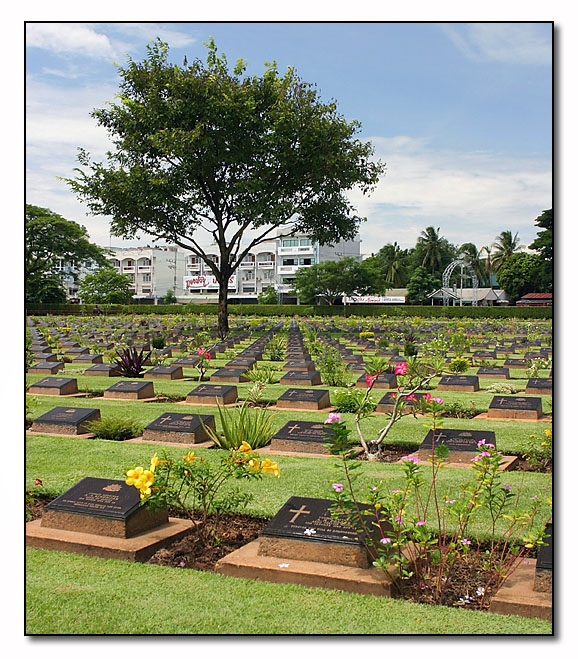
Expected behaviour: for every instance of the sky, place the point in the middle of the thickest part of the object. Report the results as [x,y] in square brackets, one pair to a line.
[460,113]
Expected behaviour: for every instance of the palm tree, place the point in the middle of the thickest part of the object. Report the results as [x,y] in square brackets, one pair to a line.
[469,252]
[431,242]
[488,263]
[395,272]
[504,247]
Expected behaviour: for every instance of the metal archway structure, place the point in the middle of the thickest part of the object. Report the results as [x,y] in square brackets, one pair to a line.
[470,275]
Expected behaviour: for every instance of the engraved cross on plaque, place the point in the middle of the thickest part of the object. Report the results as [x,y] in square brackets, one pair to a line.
[292,428]
[300,511]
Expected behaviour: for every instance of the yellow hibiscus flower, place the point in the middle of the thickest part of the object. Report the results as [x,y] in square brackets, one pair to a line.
[244,447]
[268,467]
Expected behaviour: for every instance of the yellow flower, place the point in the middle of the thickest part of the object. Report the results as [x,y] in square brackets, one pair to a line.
[544,444]
[254,465]
[548,432]
[529,545]
[154,462]
[268,467]
[244,447]
[190,456]
[133,475]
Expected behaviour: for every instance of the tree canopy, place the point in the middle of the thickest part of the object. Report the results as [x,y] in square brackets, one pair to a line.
[520,274]
[544,245]
[50,237]
[200,148]
[106,286]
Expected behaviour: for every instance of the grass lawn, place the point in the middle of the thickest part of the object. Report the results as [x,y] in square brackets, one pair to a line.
[74,594]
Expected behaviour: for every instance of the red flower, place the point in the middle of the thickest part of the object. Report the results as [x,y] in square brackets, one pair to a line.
[37,481]
[370,379]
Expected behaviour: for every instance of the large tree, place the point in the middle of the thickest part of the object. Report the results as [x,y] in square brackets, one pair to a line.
[330,280]
[544,245]
[202,148]
[505,246]
[520,274]
[50,237]
[420,284]
[392,263]
[106,286]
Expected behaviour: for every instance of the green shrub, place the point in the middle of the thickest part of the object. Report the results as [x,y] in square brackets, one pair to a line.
[502,388]
[158,342]
[332,368]
[458,365]
[116,429]
[263,374]
[538,451]
[243,424]
[353,400]
[459,410]
[366,335]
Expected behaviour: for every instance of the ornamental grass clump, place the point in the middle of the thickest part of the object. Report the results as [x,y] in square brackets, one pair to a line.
[429,557]
[194,486]
[240,425]
[130,362]
[115,428]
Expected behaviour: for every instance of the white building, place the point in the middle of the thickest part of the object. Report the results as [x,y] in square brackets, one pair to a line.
[155,270]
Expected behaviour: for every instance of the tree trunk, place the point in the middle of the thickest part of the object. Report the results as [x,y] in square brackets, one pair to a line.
[223,317]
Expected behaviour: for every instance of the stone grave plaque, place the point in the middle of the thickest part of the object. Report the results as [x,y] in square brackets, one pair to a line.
[533,355]
[76,350]
[515,407]
[494,372]
[515,363]
[106,370]
[312,378]
[87,359]
[544,563]
[397,360]
[459,383]
[130,390]
[103,507]
[384,381]
[186,362]
[41,348]
[479,345]
[179,428]
[462,444]
[305,436]
[54,387]
[503,350]
[304,399]
[304,529]
[484,354]
[210,394]
[171,372]
[299,365]
[243,364]
[66,420]
[229,375]
[388,352]
[48,368]
[387,402]
[539,386]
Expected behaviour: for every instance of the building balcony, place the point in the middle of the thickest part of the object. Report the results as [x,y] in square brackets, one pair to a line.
[247,265]
[193,267]
[144,268]
[291,269]
[265,265]
[309,249]
[128,268]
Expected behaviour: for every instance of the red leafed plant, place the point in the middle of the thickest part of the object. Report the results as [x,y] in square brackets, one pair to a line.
[131,362]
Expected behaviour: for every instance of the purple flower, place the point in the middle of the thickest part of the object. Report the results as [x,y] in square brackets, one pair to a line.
[410,458]
[338,487]
[438,400]
[182,564]
[481,442]
[333,418]
[450,500]
[398,519]
[507,487]
[385,541]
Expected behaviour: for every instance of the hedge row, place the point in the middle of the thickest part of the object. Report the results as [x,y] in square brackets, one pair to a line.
[298,310]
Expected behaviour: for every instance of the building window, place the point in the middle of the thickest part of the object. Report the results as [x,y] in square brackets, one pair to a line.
[306,261]
[305,242]
[248,289]
[290,261]
[146,290]
[146,278]
[290,242]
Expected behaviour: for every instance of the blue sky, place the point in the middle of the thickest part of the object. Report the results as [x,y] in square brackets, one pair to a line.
[461,113]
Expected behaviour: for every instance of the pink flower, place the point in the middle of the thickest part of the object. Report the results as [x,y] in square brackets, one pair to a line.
[481,442]
[438,400]
[410,397]
[401,368]
[385,541]
[334,417]
[410,458]
[465,541]
[338,487]
[398,519]
[427,397]
[507,487]
[37,481]
[370,379]
[450,500]
[420,523]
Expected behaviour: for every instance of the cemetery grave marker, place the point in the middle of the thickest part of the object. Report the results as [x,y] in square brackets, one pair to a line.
[512,407]
[301,436]
[228,375]
[130,390]
[50,368]
[384,381]
[179,428]
[66,421]
[172,372]
[105,370]
[539,386]
[54,387]
[312,378]
[210,394]
[468,383]
[304,399]
[462,444]
[494,372]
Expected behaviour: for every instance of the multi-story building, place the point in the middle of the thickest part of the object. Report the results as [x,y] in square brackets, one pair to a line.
[155,270]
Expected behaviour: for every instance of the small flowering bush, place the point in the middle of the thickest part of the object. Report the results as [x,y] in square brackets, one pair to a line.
[459,365]
[354,400]
[538,451]
[203,364]
[397,524]
[194,485]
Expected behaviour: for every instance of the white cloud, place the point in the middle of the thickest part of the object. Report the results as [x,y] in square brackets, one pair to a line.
[471,196]
[69,38]
[143,32]
[514,43]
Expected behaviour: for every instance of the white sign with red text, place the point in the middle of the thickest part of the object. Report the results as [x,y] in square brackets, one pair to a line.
[375,299]
[198,282]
